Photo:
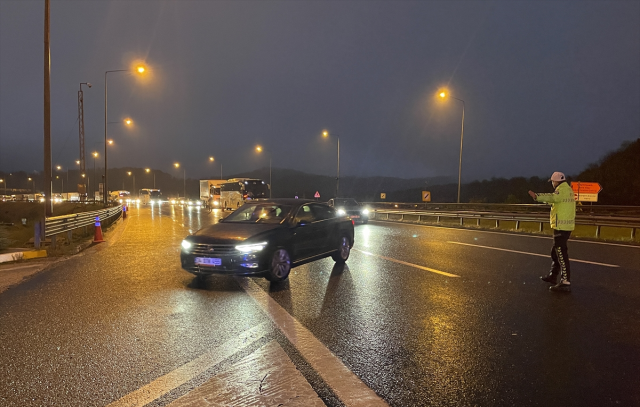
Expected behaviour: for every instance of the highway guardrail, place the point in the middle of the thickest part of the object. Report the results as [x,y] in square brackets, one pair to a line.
[56,225]
[480,217]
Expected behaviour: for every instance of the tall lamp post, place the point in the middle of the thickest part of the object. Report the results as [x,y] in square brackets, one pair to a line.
[443,95]
[134,181]
[34,184]
[139,69]
[325,134]
[260,149]
[148,170]
[59,168]
[5,187]
[184,180]
[211,159]
[95,155]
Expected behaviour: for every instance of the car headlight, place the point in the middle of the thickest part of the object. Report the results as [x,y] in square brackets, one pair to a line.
[186,245]
[216,203]
[248,248]
[341,212]
[365,211]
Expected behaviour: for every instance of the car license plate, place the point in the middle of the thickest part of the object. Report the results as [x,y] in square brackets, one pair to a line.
[208,261]
[355,216]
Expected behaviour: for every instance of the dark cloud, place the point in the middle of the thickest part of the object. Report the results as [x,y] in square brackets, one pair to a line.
[547,85]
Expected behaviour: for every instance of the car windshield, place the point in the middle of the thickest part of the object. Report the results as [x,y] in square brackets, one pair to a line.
[345,202]
[259,213]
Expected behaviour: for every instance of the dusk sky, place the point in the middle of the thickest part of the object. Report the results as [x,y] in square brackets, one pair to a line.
[548,85]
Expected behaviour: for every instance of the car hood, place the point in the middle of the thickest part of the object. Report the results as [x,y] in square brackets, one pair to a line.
[232,232]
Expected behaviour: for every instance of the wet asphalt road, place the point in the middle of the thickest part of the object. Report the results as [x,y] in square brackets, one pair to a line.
[103,324]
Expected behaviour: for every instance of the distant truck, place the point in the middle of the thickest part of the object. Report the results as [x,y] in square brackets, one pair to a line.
[70,196]
[210,191]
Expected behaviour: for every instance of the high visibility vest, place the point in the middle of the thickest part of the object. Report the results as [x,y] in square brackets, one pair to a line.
[563,207]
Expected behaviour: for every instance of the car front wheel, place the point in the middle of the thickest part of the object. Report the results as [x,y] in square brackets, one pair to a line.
[280,266]
[342,254]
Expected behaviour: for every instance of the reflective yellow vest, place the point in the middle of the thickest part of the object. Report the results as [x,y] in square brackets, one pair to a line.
[563,207]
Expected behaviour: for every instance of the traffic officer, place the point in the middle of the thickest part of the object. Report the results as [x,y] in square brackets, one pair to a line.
[563,221]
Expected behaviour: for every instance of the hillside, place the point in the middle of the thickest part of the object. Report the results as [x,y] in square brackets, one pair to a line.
[619,174]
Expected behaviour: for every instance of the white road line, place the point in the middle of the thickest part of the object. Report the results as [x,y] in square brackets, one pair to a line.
[21,267]
[188,371]
[344,383]
[632,246]
[408,264]
[533,254]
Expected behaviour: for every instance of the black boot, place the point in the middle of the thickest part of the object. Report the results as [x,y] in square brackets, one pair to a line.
[551,278]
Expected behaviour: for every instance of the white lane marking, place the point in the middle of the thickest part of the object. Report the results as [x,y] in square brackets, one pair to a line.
[509,234]
[533,254]
[21,267]
[188,371]
[345,384]
[408,264]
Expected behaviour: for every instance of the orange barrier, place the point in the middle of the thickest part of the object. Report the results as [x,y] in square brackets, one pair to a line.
[98,236]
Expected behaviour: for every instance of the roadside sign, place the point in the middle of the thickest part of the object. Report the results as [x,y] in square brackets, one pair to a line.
[383,195]
[317,195]
[586,191]
[426,196]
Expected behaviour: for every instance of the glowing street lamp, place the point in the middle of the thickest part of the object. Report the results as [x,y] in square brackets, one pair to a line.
[95,155]
[211,159]
[260,150]
[148,170]
[184,180]
[133,188]
[443,95]
[325,134]
[140,70]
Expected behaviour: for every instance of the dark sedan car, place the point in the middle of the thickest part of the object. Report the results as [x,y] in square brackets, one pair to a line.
[267,237]
[351,208]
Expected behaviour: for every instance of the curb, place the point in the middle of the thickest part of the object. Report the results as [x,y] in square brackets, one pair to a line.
[15,256]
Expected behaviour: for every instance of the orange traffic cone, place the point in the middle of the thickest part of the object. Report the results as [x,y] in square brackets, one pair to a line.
[98,236]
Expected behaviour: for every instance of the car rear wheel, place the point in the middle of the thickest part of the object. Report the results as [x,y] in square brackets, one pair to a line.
[343,252]
[280,266]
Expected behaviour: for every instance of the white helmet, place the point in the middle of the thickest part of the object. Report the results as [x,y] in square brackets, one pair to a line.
[557,177]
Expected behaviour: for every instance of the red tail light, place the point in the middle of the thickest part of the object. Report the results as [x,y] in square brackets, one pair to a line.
[245,196]
[353,222]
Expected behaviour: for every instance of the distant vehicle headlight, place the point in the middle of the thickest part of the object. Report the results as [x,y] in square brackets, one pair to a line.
[248,248]
[186,245]
[173,202]
[365,211]
[199,203]
[216,203]
[342,212]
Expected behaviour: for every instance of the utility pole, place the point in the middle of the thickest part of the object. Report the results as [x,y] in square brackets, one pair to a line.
[48,205]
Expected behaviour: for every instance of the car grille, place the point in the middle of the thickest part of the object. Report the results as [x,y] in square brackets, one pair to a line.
[213,250]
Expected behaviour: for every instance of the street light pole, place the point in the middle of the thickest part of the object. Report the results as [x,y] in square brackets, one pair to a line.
[104,187]
[140,69]
[443,95]
[260,149]
[325,133]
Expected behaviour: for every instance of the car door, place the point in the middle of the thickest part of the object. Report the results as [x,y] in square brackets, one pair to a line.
[327,226]
[308,233]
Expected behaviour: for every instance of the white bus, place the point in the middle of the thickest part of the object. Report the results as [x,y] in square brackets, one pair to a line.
[150,196]
[237,191]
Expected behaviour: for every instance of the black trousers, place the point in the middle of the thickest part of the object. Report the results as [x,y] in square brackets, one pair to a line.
[559,255]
